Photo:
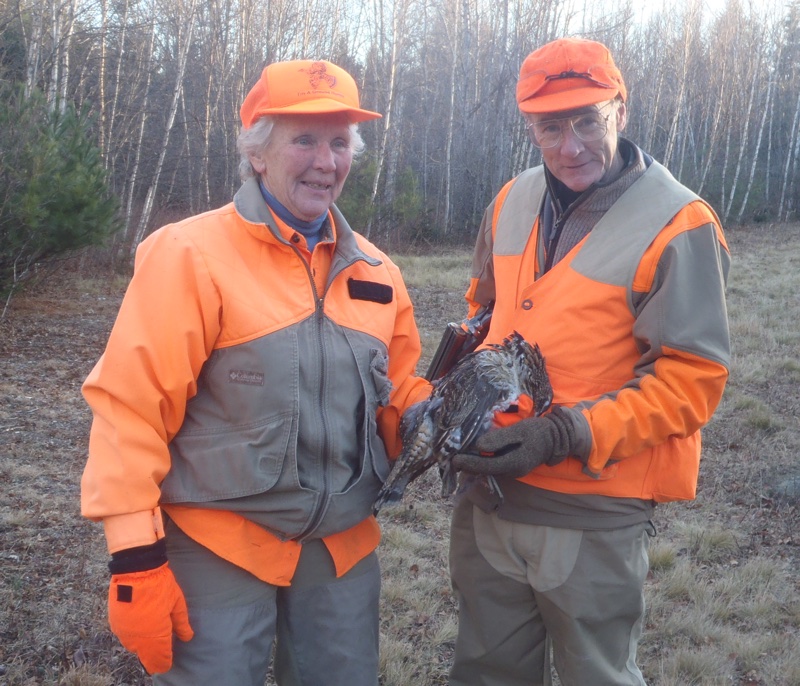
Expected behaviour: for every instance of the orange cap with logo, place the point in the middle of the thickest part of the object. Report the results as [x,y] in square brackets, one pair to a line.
[303,87]
[566,74]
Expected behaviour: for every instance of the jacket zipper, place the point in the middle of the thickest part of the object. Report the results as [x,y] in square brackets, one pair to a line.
[320,312]
[319,305]
[320,508]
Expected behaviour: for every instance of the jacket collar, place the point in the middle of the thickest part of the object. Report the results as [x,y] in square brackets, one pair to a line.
[250,206]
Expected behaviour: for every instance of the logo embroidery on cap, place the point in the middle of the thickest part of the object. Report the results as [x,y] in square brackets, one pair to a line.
[317,73]
[247,378]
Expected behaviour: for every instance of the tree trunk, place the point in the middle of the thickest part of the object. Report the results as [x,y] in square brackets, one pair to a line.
[134,175]
[756,151]
[178,90]
[792,152]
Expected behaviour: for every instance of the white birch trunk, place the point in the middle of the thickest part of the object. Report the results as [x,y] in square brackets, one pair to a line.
[742,147]
[178,89]
[792,152]
[134,175]
[754,162]
[65,45]
[112,118]
[34,51]
[55,63]
[398,22]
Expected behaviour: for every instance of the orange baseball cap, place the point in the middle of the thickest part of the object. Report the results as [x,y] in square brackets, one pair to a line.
[303,87]
[566,74]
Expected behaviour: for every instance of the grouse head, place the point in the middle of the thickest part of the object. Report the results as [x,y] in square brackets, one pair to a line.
[531,370]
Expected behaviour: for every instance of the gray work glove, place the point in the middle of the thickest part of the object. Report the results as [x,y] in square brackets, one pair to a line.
[517,449]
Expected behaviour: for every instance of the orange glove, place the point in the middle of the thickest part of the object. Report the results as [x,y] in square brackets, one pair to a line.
[144,609]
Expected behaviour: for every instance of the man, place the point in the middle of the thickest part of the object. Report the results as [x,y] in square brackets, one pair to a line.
[618,272]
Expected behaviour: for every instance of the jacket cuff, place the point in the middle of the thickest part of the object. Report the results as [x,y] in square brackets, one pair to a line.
[133,530]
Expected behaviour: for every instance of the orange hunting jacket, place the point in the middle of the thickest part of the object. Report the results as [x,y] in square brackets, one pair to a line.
[632,324]
[251,390]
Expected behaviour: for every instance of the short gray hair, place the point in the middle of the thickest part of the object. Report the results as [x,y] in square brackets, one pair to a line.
[253,140]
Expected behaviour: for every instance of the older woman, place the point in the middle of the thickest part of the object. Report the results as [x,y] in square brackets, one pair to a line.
[244,409]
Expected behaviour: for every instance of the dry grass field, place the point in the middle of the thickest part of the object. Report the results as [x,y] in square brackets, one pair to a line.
[723,598]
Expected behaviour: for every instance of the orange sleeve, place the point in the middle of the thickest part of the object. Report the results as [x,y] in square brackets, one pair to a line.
[676,401]
[138,389]
[682,331]
[132,530]
[404,352]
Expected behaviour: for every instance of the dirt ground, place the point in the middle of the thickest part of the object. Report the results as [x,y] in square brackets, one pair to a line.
[52,608]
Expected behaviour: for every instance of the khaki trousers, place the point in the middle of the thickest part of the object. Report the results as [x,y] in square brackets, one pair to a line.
[523,587]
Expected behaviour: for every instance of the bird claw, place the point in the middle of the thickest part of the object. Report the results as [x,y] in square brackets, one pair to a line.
[494,489]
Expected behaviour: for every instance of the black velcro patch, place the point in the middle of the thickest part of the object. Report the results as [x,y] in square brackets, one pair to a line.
[124,593]
[370,290]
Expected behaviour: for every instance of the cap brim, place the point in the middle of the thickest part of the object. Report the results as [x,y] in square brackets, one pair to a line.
[322,106]
[567,100]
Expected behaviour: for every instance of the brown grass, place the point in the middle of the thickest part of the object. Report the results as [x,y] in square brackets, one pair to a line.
[723,590]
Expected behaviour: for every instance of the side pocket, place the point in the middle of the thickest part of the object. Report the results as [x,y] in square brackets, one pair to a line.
[674,469]
[379,371]
[216,465]
[380,460]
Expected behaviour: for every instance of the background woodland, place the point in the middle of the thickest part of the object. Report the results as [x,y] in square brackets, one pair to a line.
[714,95]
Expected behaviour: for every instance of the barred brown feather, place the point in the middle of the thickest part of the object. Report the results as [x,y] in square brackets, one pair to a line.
[461,408]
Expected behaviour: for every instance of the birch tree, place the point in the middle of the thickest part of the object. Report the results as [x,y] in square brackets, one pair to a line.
[133,178]
[751,67]
[34,40]
[682,65]
[390,41]
[183,42]
[789,74]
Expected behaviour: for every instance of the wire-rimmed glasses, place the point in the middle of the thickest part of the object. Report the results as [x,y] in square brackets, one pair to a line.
[589,126]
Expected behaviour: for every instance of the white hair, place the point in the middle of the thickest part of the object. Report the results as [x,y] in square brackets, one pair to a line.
[253,140]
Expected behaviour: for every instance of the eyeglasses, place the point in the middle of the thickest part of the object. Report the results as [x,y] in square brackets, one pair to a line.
[588,127]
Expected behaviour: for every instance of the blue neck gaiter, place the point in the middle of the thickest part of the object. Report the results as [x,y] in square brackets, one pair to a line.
[311,230]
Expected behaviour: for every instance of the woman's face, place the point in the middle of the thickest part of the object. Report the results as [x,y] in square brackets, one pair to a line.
[306,161]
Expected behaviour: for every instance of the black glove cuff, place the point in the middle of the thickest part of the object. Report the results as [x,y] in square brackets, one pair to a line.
[139,559]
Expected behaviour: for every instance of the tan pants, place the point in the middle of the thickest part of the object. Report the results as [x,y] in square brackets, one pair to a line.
[522,587]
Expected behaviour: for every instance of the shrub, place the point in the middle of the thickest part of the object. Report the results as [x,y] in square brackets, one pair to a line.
[53,193]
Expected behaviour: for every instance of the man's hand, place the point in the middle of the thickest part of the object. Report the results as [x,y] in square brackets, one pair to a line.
[521,447]
[146,607]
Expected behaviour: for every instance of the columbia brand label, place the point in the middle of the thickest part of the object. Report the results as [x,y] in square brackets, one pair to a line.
[370,290]
[246,378]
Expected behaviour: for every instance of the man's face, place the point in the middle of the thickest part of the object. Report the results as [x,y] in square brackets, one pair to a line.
[575,162]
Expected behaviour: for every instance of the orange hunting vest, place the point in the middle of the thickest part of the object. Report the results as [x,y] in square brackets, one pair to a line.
[581,315]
